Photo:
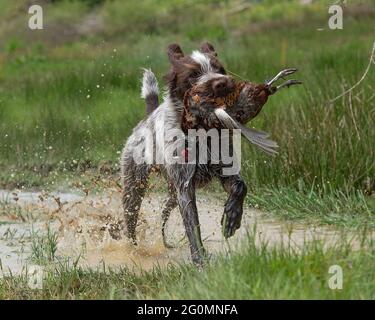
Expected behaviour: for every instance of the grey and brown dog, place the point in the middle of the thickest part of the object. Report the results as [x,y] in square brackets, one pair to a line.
[201,69]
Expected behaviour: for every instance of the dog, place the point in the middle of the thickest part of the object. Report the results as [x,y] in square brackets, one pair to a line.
[183,178]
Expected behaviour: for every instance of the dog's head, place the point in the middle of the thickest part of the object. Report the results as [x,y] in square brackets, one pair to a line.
[199,67]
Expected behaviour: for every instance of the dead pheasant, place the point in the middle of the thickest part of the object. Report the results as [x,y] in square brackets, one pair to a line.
[226,103]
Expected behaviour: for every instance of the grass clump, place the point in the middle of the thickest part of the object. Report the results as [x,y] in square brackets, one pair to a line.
[354,210]
[43,247]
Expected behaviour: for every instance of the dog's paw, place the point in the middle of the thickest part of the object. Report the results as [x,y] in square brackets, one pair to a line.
[201,259]
[231,219]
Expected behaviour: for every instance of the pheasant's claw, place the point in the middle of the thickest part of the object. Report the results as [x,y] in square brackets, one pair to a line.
[288,84]
[281,75]
[289,71]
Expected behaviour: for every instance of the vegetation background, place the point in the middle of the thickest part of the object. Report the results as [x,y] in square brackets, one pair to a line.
[70,95]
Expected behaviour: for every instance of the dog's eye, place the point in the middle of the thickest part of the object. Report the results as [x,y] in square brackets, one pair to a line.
[193,77]
[222,70]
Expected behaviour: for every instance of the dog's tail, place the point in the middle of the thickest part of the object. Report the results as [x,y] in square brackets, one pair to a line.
[150,90]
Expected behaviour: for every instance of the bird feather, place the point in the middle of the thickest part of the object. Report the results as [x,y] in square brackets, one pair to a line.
[258,138]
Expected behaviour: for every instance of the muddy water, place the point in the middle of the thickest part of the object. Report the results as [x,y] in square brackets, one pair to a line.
[89,229]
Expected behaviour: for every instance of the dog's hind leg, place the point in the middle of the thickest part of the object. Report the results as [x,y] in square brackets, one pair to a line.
[135,179]
[169,206]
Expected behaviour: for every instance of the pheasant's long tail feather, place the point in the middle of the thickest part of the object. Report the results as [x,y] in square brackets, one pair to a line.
[258,138]
[255,137]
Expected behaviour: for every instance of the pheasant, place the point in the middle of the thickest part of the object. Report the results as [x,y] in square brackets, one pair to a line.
[226,103]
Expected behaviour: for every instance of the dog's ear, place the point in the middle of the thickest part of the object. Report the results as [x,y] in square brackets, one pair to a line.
[207,47]
[174,52]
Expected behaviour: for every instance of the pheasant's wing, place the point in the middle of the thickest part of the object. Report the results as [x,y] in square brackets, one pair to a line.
[258,138]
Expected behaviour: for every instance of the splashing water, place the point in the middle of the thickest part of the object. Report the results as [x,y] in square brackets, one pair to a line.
[91,228]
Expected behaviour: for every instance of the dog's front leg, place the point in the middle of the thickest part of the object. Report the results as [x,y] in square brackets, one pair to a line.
[236,188]
[183,178]
[189,212]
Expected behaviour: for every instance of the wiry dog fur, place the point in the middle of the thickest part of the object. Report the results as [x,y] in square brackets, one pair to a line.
[183,179]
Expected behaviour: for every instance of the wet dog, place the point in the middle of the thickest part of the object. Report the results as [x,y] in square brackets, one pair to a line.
[163,127]
[159,143]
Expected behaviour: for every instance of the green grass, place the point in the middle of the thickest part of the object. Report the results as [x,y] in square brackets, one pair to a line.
[256,272]
[43,247]
[353,210]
